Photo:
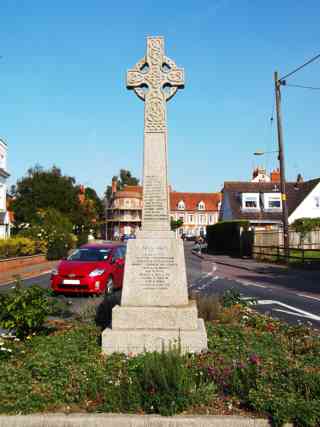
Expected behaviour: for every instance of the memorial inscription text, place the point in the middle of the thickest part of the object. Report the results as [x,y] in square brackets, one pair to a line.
[154,268]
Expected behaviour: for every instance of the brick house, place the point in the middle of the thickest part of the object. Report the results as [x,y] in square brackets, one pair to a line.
[197,210]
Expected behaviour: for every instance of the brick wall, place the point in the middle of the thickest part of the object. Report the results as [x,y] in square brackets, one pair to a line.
[14,263]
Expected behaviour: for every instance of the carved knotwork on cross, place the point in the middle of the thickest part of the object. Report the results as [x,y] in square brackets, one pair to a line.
[155,79]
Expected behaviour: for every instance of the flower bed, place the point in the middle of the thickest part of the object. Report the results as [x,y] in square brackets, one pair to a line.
[255,365]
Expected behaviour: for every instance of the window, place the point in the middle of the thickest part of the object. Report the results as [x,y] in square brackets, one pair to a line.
[181,205]
[210,219]
[272,201]
[317,201]
[202,219]
[90,254]
[250,201]
[191,219]
[201,206]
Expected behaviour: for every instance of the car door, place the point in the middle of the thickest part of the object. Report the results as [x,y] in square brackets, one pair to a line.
[118,264]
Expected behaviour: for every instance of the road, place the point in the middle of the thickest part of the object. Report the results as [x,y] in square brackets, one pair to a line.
[281,299]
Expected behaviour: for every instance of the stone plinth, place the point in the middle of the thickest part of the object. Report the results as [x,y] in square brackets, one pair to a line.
[135,341]
[155,313]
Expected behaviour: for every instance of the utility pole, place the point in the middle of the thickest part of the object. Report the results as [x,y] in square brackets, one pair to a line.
[277,84]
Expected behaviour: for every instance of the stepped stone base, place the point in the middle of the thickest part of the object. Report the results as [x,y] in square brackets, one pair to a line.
[135,341]
[183,317]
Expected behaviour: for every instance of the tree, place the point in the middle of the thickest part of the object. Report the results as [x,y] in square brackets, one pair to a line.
[175,224]
[43,189]
[90,194]
[124,178]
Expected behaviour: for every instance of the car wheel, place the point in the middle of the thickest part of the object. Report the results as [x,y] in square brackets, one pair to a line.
[109,286]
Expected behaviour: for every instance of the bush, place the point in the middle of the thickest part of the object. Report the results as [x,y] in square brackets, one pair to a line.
[24,310]
[53,233]
[26,246]
[168,387]
[163,383]
[57,249]
[17,246]
[82,238]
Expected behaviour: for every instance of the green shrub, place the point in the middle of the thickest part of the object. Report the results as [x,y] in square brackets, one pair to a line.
[164,383]
[17,246]
[82,238]
[167,385]
[24,310]
[57,249]
[26,246]
[2,249]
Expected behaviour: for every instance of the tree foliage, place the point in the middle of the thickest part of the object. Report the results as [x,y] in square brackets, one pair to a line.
[125,178]
[305,226]
[175,224]
[42,189]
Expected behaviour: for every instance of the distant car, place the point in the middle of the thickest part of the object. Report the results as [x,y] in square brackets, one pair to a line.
[126,237]
[94,268]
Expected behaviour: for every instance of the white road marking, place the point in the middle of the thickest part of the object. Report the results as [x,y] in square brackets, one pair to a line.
[290,312]
[289,307]
[308,296]
[252,284]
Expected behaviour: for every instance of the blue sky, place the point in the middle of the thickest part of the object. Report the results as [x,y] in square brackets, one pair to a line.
[63,99]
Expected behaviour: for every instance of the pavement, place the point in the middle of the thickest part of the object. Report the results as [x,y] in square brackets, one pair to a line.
[26,272]
[114,420]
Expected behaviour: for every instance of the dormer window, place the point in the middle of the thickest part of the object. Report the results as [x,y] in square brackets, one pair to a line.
[201,206]
[250,201]
[181,205]
[272,201]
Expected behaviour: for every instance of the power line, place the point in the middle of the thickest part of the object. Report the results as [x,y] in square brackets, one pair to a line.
[299,68]
[284,83]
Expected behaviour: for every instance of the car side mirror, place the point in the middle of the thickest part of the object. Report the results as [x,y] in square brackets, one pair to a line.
[119,262]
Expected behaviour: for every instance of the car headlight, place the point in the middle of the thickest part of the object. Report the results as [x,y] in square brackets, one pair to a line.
[54,272]
[96,272]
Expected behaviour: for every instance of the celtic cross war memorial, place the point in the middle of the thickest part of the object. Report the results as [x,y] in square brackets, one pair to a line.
[155,312]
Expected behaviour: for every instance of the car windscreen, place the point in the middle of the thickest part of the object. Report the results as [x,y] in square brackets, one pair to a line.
[90,254]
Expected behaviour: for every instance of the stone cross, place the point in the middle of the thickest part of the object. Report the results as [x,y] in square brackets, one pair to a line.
[155,312]
[155,79]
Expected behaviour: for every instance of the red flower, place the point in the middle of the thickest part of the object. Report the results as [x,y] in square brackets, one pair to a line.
[255,359]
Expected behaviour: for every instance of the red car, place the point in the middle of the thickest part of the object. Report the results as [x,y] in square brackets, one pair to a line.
[91,269]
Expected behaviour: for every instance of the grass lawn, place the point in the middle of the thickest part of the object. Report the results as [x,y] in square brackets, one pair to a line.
[255,365]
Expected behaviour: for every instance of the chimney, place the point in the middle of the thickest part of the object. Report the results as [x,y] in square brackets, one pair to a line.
[275,175]
[299,178]
[114,185]
[81,194]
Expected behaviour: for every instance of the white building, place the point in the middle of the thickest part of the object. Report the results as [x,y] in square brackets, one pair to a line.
[4,175]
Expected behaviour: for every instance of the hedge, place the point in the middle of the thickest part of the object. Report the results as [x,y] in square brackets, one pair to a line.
[17,246]
[230,237]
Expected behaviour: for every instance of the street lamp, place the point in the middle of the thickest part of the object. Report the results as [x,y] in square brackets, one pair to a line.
[278,83]
[261,153]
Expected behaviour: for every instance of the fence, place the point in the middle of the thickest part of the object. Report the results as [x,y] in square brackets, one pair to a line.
[268,245]
[298,256]
[275,238]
